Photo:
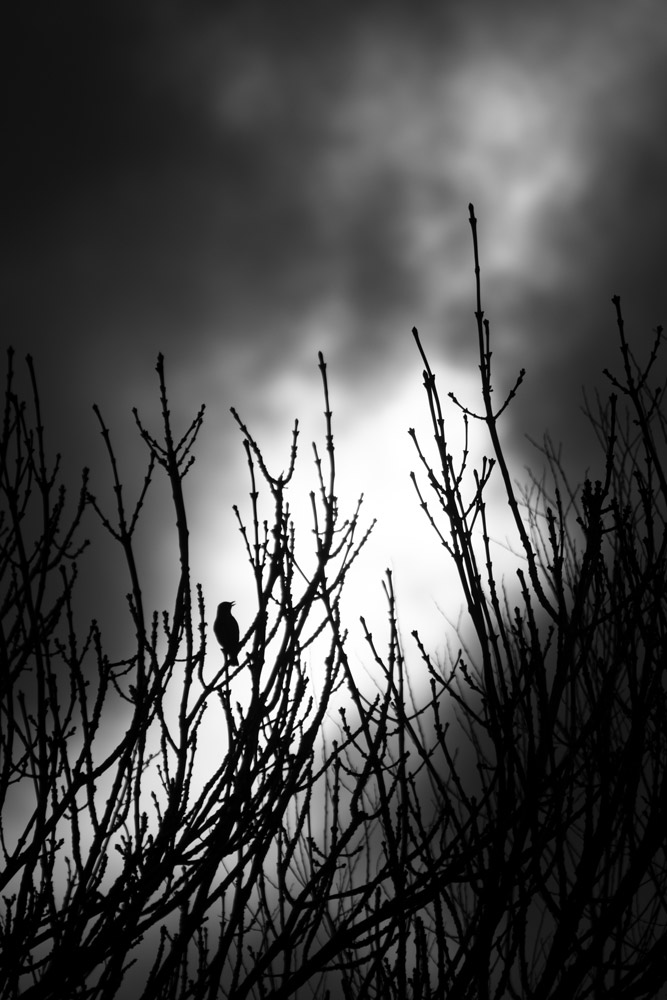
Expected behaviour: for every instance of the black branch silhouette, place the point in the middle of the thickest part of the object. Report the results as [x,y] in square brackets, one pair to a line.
[499,835]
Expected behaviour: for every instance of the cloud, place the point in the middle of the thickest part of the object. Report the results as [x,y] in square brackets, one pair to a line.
[241,187]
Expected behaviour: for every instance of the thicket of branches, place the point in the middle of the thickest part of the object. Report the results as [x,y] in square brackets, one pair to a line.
[505,837]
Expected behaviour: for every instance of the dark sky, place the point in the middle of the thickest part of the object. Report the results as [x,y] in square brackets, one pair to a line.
[241,185]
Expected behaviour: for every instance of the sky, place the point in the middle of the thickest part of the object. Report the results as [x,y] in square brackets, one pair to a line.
[241,185]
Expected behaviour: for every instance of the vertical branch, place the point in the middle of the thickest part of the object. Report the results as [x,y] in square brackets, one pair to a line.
[491,419]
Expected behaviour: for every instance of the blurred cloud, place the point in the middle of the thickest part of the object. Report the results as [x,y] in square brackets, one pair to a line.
[241,186]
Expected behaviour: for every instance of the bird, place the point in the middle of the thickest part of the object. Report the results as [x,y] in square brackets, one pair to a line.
[226,629]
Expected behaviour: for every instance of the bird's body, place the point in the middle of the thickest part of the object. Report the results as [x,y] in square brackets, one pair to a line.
[226,631]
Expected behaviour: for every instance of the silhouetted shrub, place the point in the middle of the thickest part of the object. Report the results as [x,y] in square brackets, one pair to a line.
[504,837]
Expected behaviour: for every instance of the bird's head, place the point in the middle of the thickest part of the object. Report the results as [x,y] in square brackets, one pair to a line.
[226,605]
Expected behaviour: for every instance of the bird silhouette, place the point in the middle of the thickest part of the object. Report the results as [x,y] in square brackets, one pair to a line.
[226,629]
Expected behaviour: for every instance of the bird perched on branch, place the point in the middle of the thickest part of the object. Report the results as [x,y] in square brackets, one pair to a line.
[226,629]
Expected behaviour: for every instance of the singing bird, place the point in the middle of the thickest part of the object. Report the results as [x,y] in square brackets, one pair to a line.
[226,629]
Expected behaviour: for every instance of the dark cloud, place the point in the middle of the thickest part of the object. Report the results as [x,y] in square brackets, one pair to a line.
[240,185]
